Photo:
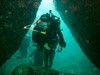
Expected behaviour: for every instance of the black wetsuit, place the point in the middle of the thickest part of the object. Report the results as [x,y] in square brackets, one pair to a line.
[52,37]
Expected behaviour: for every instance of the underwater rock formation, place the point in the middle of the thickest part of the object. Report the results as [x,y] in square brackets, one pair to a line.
[81,16]
[25,69]
[83,19]
[14,15]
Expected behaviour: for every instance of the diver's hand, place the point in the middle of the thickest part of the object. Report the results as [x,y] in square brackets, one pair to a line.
[46,47]
[60,49]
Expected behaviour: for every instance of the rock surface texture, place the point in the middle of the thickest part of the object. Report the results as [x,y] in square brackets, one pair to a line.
[83,19]
[14,15]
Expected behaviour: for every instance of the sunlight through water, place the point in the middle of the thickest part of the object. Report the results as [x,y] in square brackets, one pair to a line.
[71,59]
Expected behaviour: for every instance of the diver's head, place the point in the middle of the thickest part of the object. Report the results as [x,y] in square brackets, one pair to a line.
[44,19]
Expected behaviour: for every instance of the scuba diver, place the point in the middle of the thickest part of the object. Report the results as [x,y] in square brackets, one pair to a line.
[47,35]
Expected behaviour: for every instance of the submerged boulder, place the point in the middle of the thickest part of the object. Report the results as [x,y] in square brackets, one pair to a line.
[25,69]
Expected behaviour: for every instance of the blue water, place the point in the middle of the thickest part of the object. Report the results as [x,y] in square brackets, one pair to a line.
[70,60]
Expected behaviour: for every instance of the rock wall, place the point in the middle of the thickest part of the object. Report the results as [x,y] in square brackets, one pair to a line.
[83,19]
[81,16]
[14,15]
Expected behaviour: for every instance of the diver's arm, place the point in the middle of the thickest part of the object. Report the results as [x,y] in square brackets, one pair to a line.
[61,42]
